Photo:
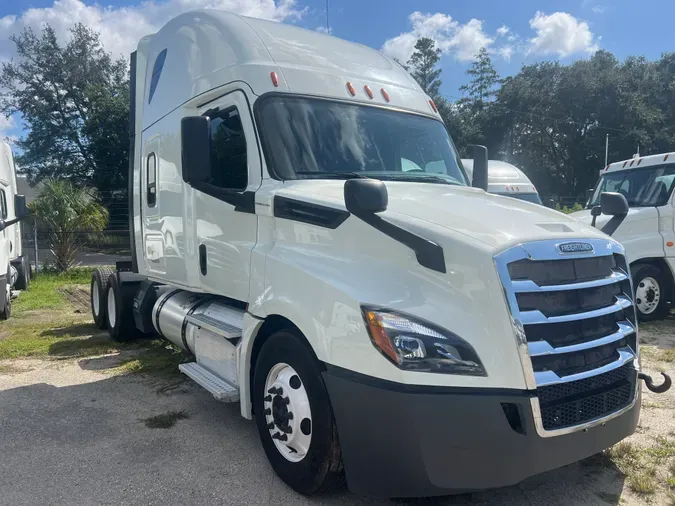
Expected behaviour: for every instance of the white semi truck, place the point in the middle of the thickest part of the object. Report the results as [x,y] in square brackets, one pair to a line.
[14,266]
[397,328]
[507,180]
[648,231]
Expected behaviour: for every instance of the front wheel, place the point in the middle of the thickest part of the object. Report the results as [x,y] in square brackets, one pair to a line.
[294,416]
[650,292]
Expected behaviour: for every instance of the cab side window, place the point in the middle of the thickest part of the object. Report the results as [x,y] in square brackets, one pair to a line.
[229,166]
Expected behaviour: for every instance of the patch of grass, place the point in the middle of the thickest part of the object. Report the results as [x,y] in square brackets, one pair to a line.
[642,483]
[11,369]
[663,450]
[165,420]
[42,293]
[666,355]
[649,404]
[38,338]
[159,357]
[670,482]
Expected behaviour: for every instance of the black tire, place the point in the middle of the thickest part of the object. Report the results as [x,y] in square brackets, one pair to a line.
[321,469]
[122,328]
[23,271]
[6,299]
[99,282]
[645,276]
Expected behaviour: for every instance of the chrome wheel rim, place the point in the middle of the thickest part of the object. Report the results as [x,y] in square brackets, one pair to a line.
[112,314]
[647,295]
[287,412]
[95,297]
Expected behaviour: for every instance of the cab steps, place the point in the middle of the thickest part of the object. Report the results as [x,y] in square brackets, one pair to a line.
[219,388]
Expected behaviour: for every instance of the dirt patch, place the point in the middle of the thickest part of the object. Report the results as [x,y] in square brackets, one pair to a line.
[10,368]
[165,420]
[78,296]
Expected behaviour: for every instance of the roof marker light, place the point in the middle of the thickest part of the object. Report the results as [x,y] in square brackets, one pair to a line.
[385,94]
[624,163]
[433,106]
[666,157]
[275,79]
[632,162]
[351,89]
[639,162]
[369,92]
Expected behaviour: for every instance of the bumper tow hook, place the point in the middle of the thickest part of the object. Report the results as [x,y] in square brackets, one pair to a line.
[667,382]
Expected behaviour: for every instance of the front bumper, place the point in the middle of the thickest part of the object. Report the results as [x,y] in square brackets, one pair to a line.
[404,441]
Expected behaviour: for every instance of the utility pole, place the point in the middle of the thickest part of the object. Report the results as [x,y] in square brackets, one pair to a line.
[606,148]
[327,24]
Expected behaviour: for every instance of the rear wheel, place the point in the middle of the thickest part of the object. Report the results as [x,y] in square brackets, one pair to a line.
[99,282]
[118,312]
[651,292]
[294,416]
[23,270]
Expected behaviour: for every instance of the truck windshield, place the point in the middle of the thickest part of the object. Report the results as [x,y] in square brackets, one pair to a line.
[643,187]
[308,138]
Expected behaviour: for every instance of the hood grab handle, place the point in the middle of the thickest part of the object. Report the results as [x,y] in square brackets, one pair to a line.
[664,387]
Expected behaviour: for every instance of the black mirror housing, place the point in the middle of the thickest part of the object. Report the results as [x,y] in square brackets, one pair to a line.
[195,136]
[20,208]
[613,204]
[480,167]
[550,203]
[365,196]
[589,194]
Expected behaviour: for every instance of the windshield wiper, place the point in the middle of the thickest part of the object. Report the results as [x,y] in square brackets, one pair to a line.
[421,179]
[331,175]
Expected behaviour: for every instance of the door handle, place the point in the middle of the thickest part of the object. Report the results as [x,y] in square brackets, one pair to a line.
[202,259]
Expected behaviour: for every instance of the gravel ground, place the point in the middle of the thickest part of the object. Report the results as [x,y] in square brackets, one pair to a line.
[73,434]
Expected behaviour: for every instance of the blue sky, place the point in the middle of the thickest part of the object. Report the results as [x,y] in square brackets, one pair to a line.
[516,32]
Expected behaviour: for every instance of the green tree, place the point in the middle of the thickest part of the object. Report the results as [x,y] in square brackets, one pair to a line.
[73,99]
[422,66]
[483,80]
[65,211]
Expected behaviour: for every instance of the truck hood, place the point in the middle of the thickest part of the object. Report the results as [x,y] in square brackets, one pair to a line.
[496,221]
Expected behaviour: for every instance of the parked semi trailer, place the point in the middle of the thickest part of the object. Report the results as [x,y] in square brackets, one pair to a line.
[397,328]
[15,270]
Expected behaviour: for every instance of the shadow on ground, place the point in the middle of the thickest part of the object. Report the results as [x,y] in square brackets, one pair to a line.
[87,443]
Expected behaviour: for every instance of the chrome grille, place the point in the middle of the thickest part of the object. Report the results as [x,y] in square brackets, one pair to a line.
[574,321]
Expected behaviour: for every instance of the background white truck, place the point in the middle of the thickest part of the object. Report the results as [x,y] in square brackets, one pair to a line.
[14,266]
[390,326]
[648,231]
[507,180]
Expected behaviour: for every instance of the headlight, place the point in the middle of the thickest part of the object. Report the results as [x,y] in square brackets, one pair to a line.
[415,345]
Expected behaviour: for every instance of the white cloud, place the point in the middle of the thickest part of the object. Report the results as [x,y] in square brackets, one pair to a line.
[599,9]
[506,52]
[562,34]
[503,30]
[461,40]
[122,27]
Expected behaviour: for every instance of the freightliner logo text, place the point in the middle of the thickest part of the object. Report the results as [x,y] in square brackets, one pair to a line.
[575,247]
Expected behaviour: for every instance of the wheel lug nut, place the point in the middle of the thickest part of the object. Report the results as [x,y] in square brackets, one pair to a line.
[286,400]
[268,411]
[270,426]
[268,398]
[290,415]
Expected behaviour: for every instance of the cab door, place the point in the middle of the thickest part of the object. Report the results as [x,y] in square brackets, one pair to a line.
[224,211]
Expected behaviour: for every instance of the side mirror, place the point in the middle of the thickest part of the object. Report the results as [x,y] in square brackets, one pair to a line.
[365,196]
[589,194]
[195,137]
[550,203]
[20,209]
[614,205]
[480,167]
